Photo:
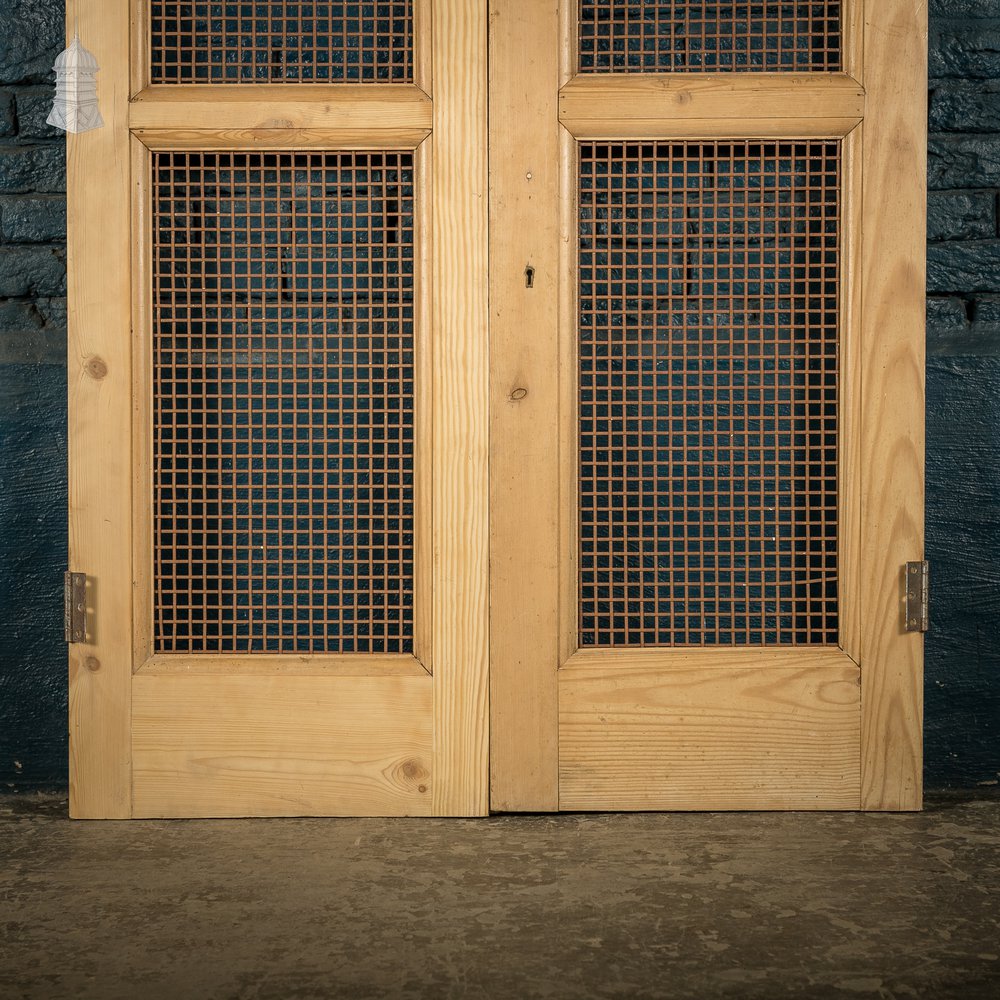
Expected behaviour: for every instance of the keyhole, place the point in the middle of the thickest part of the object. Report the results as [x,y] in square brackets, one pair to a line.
[529,277]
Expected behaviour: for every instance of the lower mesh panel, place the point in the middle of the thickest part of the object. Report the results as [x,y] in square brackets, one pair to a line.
[708,360]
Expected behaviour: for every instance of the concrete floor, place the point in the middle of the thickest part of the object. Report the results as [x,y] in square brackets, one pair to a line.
[699,906]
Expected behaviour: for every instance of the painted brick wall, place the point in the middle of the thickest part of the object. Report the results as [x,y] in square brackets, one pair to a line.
[32,401]
[963,394]
[963,458]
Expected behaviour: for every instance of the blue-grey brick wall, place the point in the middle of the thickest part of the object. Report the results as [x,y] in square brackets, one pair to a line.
[32,401]
[963,392]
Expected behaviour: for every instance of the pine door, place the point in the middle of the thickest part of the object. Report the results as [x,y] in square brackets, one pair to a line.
[278,388]
[510,405]
[707,276]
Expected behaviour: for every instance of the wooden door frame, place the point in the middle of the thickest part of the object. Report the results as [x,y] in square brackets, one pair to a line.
[539,108]
[112,674]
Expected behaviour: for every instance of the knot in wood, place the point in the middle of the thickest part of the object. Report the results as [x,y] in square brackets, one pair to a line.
[96,368]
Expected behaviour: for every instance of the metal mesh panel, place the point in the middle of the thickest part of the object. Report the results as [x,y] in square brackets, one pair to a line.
[281,41]
[283,402]
[708,371]
[623,36]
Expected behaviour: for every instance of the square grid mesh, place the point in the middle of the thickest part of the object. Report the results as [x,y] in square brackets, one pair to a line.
[283,402]
[281,41]
[708,384]
[676,36]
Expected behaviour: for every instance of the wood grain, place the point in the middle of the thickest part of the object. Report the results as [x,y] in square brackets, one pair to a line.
[225,107]
[709,128]
[99,384]
[423,42]
[140,36]
[346,664]
[686,737]
[142,404]
[597,106]
[280,138]
[569,418]
[238,745]
[853,38]
[423,412]
[460,390]
[850,394]
[524,392]
[895,157]
[708,658]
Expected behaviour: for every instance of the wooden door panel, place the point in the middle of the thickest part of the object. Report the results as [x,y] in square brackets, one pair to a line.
[299,431]
[281,745]
[724,659]
[782,733]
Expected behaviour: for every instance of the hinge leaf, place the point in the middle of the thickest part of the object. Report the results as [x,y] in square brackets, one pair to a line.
[917,600]
[75,607]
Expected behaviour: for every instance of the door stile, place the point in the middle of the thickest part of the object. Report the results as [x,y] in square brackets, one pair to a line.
[526,281]
[460,436]
[99,440]
[895,147]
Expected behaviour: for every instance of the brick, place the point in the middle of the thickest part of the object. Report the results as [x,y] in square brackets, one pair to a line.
[53,313]
[963,267]
[959,327]
[946,315]
[33,107]
[962,107]
[26,271]
[40,219]
[32,168]
[961,215]
[32,347]
[8,119]
[987,310]
[948,326]
[33,33]
[963,8]
[956,162]
[32,331]
[965,50]
[18,314]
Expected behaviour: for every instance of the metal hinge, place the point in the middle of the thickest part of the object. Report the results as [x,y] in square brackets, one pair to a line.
[75,606]
[917,596]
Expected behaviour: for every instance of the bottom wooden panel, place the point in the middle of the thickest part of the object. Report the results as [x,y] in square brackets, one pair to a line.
[710,737]
[242,745]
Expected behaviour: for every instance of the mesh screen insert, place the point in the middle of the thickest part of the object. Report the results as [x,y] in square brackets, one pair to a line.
[281,41]
[708,352]
[680,36]
[283,402]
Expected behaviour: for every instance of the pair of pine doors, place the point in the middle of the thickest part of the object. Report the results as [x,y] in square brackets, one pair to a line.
[510,405]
